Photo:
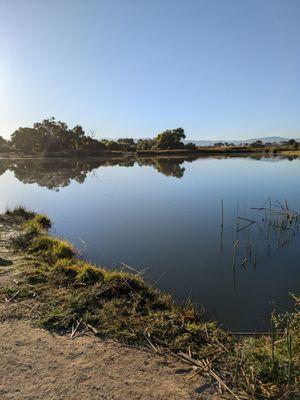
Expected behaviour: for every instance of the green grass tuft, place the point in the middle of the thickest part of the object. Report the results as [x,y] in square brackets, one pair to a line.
[89,274]
[39,221]
[20,213]
[51,249]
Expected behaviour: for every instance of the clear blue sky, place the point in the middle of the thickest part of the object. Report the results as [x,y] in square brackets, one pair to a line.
[218,68]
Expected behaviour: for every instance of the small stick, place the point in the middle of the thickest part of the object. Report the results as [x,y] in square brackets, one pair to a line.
[74,330]
[247,219]
[235,246]
[273,339]
[245,227]
[13,297]
[244,262]
[156,350]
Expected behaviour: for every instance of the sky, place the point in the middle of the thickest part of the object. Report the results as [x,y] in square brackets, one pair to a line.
[133,68]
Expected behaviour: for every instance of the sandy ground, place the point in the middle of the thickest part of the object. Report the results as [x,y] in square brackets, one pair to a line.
[34,364]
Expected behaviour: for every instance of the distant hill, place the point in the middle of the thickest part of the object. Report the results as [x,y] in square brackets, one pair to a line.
[267,139]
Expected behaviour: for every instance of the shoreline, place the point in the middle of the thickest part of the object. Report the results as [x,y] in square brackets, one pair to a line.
[71,295]
[200,152]
[175,156]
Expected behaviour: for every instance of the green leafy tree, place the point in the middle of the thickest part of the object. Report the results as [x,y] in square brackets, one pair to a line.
[257,143]
[170,139]
[111,145]
[51,136]
[27,140]
[145,144]
[293,143]
[127,144]
[219,144]
[191,146]
[3,145]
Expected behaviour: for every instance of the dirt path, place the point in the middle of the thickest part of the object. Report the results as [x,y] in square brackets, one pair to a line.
[35,364]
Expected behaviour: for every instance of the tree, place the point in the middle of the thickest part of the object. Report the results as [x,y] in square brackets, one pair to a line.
[170,139]
[28,140]
[3,145]
[145,144]
[127,144]
[51,136]
[128,141]
[111,145]
[293,143]
[219,144]
[191,146]
[257,143]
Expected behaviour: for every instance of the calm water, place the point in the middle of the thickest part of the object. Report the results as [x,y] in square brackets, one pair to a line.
[164,216]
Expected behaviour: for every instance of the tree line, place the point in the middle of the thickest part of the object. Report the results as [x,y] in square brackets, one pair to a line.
[51,136]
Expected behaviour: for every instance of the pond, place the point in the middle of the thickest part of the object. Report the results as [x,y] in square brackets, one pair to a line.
[164,217]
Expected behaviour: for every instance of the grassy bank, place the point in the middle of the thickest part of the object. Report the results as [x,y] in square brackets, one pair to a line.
[73,295]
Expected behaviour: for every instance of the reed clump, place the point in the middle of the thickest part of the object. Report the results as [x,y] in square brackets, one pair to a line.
[268,366]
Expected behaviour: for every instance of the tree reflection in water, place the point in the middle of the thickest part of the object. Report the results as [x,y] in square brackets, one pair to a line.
[59,173]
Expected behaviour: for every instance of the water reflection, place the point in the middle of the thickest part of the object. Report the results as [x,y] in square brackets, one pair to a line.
[178,219]
[59,173]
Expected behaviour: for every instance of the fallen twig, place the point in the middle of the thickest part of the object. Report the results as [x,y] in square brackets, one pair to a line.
[74,329]
[13,297]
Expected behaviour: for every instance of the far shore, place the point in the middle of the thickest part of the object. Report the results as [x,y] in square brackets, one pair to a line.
[183,153]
